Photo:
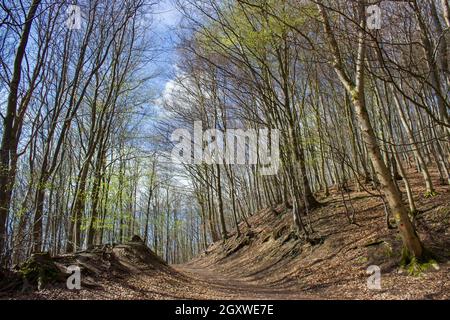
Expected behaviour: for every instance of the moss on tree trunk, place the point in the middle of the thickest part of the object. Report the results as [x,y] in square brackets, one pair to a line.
[40,270]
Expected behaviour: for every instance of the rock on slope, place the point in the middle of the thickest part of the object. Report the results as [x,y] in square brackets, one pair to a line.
[99,264]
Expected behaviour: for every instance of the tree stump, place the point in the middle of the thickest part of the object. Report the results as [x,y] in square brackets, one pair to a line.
[40,270]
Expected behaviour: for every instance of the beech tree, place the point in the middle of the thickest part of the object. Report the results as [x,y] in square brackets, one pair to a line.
[86,145]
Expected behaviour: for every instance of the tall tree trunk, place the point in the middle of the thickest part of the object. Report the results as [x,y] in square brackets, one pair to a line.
[7,176]
[356,90]
[220,200]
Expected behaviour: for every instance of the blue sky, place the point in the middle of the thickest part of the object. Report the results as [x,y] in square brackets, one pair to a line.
[166,21]
[163,31]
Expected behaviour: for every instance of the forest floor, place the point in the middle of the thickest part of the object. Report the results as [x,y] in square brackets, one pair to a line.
[268,261]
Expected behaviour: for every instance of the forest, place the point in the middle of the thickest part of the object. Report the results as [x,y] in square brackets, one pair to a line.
[251,144]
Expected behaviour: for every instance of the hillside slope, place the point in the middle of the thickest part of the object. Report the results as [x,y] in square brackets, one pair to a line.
[271,254]
[269,261]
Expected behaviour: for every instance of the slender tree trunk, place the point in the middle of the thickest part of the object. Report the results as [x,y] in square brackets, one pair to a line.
[410,239]
[7,175]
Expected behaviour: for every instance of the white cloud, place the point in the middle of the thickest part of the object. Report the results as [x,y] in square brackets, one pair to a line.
[167,13]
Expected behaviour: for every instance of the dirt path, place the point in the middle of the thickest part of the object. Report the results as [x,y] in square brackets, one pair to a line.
[223,287]
[276,265]
[136,273]
[185,282]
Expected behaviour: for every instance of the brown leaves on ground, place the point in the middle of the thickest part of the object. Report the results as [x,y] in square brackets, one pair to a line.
[271,261]
[335,266]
